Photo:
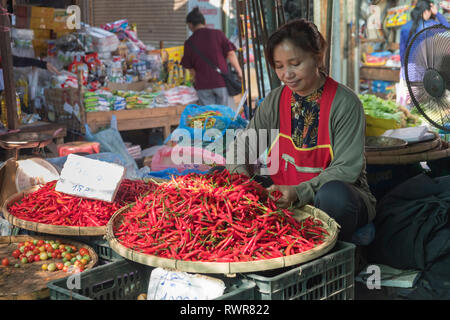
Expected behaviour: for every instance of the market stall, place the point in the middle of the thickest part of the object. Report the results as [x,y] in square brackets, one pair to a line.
[103,71]
[218,245]
[176,228]
[379,36]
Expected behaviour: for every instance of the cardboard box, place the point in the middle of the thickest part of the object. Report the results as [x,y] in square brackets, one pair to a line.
[42,12]
[22,23]
[42,33]
[61,33]
[59,26]
[40,43]
[59,13]
[41,23]
[22,11]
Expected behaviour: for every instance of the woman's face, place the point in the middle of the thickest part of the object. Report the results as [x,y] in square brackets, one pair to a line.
[426,15]
[298,69]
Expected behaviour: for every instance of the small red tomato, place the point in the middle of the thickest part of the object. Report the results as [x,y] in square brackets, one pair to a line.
[84,251]
[59,256]
[22,255]
[5,262]
[48,247]
[78,269]
[36,251]
[16,253]
[26,249]
[30,258]
[37,258]
[40,243]
[65,268]
[59,265]
[54,255]
[32,246]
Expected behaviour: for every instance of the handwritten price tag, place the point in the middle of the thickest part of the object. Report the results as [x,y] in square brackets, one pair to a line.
[89,178]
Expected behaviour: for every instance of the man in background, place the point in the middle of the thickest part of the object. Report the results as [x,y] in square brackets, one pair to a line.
[214,45]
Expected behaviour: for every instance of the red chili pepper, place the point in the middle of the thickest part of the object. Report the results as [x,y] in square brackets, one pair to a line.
[217,217]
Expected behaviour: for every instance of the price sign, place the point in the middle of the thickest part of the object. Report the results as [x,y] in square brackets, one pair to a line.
[166,284]
[89,178]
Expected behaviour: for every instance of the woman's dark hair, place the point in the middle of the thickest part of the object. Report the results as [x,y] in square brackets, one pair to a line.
[195,17]
[417,16]
[304,34]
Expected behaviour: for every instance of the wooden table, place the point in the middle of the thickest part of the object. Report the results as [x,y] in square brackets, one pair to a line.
[46,128]
[135,119]
[380,73]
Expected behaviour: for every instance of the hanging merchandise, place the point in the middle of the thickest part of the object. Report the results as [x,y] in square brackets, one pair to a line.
[64,80]
[398,16]
[4,117]
[78,66]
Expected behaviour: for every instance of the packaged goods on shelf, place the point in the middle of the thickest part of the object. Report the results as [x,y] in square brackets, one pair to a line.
[103,40]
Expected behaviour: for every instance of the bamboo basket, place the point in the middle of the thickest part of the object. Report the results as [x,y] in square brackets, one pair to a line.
[418,147]
[442,151]
[43,227]
[229,267]
[29,282]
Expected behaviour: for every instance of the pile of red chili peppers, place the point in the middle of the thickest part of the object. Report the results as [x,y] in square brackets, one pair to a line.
[219,217]
[48,206]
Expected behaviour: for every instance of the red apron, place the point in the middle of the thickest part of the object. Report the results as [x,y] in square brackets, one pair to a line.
[296,165]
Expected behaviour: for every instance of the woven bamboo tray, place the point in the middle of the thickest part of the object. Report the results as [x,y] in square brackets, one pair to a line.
[43,227]
[441,152]
[229,267]
[29,282]
[417,147]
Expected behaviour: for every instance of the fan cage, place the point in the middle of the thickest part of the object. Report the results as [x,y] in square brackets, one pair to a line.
[429,49]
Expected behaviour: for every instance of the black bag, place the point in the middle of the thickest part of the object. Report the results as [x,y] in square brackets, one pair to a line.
[231,78]
[232,82]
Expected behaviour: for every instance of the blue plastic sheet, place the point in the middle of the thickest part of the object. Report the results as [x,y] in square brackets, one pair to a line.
[172,172]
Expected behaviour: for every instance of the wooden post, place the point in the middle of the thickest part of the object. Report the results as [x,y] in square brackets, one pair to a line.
[328,35]
[7,66]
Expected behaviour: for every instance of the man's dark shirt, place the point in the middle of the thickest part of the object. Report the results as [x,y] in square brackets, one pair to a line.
[215,46]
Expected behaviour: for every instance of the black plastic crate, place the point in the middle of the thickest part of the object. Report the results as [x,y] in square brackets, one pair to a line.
[126,280]
[330,277]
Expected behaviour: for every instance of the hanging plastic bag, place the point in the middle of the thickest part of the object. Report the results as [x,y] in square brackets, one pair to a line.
[111,141]
[197,120]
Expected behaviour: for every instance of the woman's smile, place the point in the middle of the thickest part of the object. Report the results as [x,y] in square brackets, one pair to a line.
[296,68]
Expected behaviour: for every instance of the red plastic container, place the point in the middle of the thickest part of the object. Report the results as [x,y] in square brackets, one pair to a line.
[78,146]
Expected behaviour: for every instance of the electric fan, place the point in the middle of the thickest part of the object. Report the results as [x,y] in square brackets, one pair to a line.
[427,74]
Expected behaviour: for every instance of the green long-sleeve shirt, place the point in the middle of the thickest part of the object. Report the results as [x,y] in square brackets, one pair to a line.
[347,135]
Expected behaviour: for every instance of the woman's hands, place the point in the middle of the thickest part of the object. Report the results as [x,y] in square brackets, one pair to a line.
[434,9]
[289,195]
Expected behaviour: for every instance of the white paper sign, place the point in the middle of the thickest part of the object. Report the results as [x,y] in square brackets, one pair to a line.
[89,178]
[176,285]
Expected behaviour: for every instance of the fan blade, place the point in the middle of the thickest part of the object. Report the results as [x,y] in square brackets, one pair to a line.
[427,74]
